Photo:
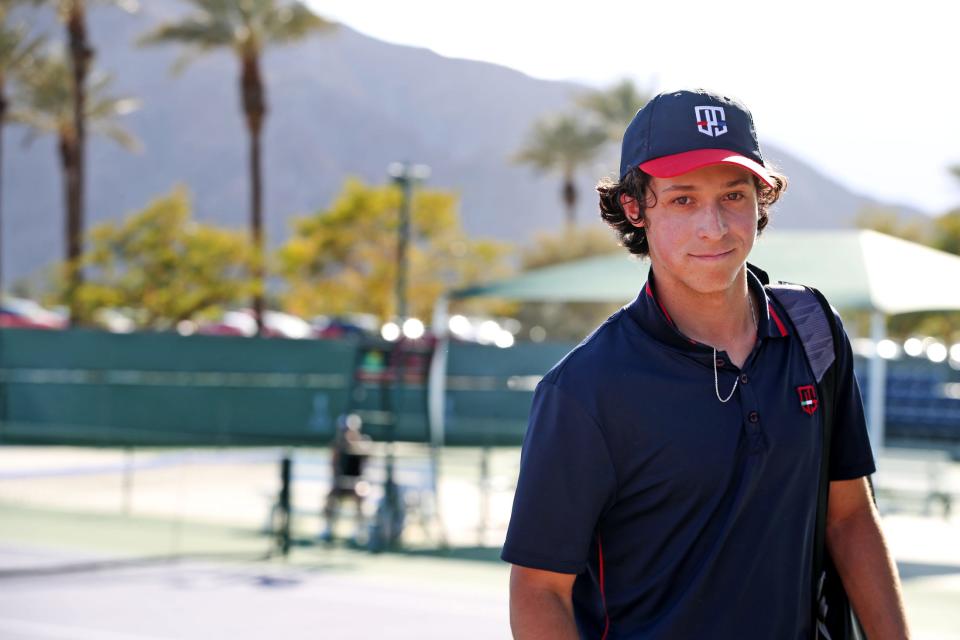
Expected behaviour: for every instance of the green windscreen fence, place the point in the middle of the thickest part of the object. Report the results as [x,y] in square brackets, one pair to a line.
[161,389]
[489,391]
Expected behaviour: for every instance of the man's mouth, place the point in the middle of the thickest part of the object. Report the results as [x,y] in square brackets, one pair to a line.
[712,256]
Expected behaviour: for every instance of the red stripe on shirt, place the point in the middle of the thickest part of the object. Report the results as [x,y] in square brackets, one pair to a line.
[776,318]
[603,593]
[665,314]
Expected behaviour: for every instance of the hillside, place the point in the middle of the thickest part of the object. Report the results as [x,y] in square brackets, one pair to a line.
[340,105]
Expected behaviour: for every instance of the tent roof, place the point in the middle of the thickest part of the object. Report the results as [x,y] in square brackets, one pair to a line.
[854,269]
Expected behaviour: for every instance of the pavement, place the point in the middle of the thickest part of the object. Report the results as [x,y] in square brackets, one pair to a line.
[171,545]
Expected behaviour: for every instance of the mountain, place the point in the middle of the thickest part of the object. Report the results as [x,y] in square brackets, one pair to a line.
[340,104]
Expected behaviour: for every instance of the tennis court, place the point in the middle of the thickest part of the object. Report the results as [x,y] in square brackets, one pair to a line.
[164,544]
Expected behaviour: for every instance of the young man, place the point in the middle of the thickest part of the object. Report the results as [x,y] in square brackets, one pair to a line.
[668,483]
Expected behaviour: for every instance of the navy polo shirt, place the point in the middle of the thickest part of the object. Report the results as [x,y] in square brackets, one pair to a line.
[683,517]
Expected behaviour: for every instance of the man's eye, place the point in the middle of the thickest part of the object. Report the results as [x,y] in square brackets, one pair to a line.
[735,196]
[682,200]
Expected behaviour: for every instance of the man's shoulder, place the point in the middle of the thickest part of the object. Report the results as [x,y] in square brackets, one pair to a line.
[598,356]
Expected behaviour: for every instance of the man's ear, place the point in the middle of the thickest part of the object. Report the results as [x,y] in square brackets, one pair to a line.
[632,210]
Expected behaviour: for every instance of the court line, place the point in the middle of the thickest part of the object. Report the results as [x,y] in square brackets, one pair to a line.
[71,632]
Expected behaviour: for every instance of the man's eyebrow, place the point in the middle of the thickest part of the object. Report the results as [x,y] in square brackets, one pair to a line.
[690,187]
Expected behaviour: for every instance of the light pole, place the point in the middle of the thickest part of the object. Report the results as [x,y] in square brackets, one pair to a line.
[389,522]
[405,175]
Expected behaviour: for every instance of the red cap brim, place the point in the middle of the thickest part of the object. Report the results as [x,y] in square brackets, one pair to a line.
[680,163]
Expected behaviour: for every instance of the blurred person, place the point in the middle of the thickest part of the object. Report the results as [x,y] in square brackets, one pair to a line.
[669,475]
[349,453]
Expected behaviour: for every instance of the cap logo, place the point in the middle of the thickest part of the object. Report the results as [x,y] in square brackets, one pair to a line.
[711,121]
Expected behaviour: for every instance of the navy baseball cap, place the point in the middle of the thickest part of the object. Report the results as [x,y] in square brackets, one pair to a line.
[680,131]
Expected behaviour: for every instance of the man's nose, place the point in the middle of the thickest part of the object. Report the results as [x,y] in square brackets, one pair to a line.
[712,222]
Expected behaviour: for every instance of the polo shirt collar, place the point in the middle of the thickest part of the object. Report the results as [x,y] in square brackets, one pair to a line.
[654,319]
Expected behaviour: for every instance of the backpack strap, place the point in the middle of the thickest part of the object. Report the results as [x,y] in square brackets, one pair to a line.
[813,320]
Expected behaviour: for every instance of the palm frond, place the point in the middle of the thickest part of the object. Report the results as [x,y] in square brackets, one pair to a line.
[17,47]
[45,86]
[293,22]
[119,135]
[560,142]
[44,102]
[34,124]
[33,120]
[616,106]
[202,32]
[243,25]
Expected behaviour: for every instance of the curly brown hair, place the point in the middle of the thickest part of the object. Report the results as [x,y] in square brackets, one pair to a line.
[634,185]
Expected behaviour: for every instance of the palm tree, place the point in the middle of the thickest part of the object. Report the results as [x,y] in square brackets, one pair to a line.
[16,50]
[615,107]
[73,15]
[563,144]
[47,107]
[246,27]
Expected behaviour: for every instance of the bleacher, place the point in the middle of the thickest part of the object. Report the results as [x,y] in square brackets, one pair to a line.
[922,409]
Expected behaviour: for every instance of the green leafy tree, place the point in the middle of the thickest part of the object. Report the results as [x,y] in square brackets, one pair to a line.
[162,264]
[615,107]
[343,259]
[563,144]
[889,221]
[17,48]
[46,108]
[947,226]
[246,27]
[947,232]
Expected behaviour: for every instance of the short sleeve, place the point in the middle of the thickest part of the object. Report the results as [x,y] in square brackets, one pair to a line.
[566,482]
[850,453]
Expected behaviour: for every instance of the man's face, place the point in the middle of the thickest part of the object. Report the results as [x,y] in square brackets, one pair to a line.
[701,226]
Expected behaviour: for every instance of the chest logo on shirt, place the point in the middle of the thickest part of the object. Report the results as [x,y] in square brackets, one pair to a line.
[808,398]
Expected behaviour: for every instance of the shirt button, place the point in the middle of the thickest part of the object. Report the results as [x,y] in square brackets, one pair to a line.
[744,378]
[721,362]
[753,417]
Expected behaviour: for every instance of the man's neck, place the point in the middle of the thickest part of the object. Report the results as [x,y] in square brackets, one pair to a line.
[721,319]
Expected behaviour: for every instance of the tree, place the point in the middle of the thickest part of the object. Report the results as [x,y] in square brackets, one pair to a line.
[566,245]
[47,108]
[343,259]
[889,221]
[615,107]
[563,144]
[17,49]
[163,265]
[566,320]
[943,233]
[947,226]
[246,27]
[73,15]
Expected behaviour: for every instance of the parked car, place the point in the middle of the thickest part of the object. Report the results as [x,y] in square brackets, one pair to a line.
[242,323]
[353,324]
[23,313]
